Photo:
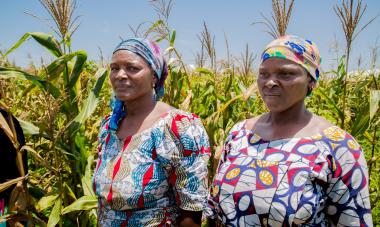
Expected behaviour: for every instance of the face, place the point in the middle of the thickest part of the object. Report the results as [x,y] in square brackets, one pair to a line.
[282,83]
[131,76]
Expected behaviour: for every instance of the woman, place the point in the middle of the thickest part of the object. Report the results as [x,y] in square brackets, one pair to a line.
[289,167]
[152,166]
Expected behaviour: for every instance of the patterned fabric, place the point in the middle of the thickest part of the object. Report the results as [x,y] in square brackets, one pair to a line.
[301,51]
[311,181]
[144,180]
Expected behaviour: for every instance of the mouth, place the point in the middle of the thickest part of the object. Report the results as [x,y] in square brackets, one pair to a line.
[272,95]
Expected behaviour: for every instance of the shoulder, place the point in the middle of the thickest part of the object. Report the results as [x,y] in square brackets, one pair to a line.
[251,122]
[105,122]
[319,123]
[182,118]
[104,126]
[336,134]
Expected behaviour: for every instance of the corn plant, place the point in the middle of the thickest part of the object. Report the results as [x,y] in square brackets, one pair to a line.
[59,130]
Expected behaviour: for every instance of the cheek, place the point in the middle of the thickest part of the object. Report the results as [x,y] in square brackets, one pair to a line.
[112,79]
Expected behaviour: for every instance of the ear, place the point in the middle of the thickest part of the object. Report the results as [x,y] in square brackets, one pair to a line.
[154,80]
[312,83]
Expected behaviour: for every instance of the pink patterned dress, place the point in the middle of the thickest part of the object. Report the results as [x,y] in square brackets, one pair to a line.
[146,179]
[312,181]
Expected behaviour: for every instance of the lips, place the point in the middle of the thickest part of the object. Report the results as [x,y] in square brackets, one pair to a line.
[270,95]
[122,86]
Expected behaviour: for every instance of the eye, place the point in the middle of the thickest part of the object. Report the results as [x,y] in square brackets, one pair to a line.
[133,69]
[114,68]
[263,75]
[285,75]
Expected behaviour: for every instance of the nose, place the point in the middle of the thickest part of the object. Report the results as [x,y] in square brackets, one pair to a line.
[121,74]
[271,83]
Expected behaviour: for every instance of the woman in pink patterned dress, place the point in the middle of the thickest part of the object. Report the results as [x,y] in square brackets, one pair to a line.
[152,165]
[289,167]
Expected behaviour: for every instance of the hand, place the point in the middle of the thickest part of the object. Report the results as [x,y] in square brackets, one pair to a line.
[189,218]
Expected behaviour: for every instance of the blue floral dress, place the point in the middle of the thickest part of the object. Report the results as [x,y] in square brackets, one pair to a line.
[312,181]
[145,179]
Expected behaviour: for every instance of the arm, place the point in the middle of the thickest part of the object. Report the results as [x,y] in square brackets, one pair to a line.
[348,201]
[189,178]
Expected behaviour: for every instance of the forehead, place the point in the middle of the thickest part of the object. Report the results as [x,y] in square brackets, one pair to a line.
[126,56]
[279,63]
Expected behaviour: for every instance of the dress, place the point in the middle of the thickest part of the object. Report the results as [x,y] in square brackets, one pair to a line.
[320,180]
[144,180]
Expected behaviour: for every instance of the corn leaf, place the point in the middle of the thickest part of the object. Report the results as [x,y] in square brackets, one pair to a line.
[55,214]
[374,100]
[55,68]
[28,128]
[46,40]
[361,122]
[78,67]
[83,203]
[204,71]
[46,202]
[172,38]
[86,179]
[6,73]
[91,101]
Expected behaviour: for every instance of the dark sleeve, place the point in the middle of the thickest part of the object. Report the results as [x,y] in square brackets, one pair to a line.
[8,167]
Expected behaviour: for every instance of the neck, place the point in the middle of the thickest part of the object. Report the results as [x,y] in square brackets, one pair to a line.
[141,106]
[296,114]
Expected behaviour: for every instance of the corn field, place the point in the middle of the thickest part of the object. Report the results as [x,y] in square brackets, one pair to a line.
[60,106]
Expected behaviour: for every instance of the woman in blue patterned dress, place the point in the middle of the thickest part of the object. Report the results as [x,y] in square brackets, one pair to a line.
[289,167]
[152,165]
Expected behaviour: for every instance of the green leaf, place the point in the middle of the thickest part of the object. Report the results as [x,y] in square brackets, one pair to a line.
[6,73]
[69,191]
[86,179]
[91,101]
[374,100]
[28,128]
[46,202]
[172,38]
[83,203]
[361,123]
[154,25]
[55,214]
[78,67]
[55,68]
[40,82]
[46,40]
[330,102]
[204,71]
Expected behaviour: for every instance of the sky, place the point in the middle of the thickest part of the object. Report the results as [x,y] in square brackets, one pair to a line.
[104,22]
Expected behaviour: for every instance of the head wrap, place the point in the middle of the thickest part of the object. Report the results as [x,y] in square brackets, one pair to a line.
[296,49]
[152,54]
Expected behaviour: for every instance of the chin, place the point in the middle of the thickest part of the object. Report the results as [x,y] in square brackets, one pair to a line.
[275,107]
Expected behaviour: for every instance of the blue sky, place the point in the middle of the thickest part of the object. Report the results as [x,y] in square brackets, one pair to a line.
[102,23]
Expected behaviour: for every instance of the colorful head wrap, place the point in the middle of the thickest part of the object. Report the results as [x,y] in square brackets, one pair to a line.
[152,54]
[301,51]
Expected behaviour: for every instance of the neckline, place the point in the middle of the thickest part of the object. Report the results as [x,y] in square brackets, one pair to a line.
[161,118]
[317,135]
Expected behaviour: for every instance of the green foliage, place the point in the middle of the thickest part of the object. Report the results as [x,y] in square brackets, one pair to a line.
[61,98]
[60,107]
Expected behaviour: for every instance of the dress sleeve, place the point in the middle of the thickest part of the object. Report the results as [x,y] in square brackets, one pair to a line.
[213,197]
[348,201]
[189,177]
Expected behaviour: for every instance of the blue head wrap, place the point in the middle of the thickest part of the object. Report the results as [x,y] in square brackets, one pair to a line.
[152,54]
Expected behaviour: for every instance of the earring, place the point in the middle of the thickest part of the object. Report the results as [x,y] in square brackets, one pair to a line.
[154,96]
